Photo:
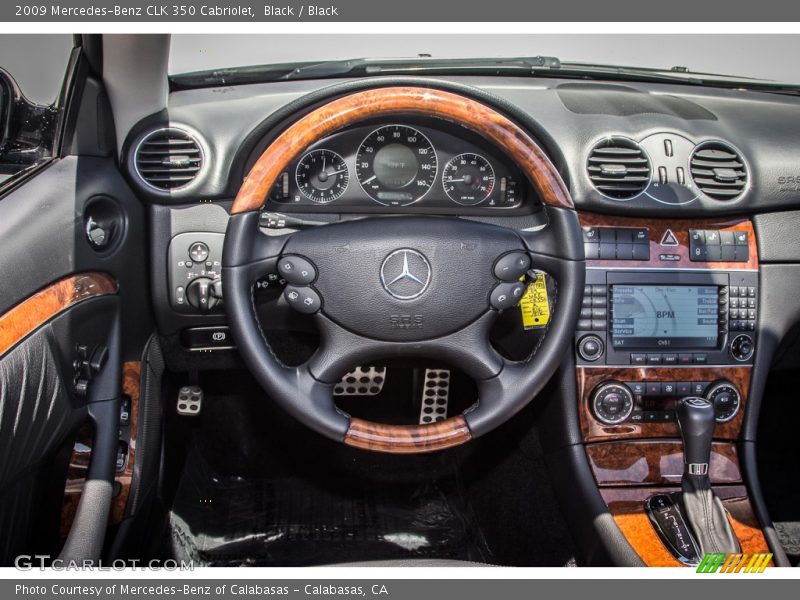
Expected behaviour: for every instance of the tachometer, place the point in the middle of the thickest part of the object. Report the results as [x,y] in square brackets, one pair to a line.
[468,179]
[322,176]
[396,165]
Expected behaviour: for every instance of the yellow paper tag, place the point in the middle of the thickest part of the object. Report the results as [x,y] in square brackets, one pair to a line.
[535,305]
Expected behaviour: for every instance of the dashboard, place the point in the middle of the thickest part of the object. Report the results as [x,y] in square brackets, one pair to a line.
[687,198]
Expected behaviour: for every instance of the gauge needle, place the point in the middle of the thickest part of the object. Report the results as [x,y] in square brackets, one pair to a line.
[334,172]
[366,181]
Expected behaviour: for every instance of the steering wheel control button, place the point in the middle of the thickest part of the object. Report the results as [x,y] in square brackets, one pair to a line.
[198,252]
[405,274]
[590,348]
[512,266]
[507,295]
[612,403]
[297,270]
[302,299]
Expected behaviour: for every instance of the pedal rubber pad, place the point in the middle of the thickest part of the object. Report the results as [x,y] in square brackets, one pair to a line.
[190,400]
[361,381]
[435,394]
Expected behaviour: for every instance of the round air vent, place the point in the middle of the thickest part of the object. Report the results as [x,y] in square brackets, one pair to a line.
[718,170]
[619,168]
[168,159]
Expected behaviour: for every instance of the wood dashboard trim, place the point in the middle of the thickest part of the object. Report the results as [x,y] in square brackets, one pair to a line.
[27,316]
[390,101]
[590,377]
[626,506]
[680,228]
[656,462]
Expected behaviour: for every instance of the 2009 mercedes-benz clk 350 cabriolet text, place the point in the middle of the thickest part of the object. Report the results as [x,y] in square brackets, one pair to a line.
[505,311]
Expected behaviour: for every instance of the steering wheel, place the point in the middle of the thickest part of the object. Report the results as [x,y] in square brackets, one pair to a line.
[383,287]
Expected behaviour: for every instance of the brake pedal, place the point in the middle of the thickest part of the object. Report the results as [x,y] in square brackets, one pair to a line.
[361,381]
[435,394]
[190,400]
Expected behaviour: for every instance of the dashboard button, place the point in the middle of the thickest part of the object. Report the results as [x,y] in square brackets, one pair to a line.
[670,359]
[653,359]
[669,388]
[591,250]
[712,237]
[608,251]
[683,388]
[684,359]
[741,238]
[638,359]
[198,252]
[591,234]
[699,387]
[641,252]
[700,358]
[512,266]
[653,388]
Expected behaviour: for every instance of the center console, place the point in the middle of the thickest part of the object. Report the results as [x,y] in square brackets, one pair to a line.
[670,310]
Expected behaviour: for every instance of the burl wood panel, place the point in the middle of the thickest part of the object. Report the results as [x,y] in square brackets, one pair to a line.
[593,430]
[626,505]
[645,462]
[81,454]
[400,439]
[33,312]
[680,228]
[369,104]
[131,374]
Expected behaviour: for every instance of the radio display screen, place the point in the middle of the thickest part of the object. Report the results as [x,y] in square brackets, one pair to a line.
[660,317]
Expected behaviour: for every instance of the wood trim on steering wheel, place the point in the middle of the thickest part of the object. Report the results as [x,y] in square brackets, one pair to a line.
[361,106]
[407,439]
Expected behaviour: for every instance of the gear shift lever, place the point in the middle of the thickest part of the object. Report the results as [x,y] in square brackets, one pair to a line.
[704,512]
[696,420]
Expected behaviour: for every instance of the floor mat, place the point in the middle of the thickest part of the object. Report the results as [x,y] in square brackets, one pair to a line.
[292,521]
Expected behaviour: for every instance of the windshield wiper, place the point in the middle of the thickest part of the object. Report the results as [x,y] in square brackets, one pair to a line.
[538,66]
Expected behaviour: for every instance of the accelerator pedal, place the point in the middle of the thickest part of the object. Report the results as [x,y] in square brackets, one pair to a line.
[435,394]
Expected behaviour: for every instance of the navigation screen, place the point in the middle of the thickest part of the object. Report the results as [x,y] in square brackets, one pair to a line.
[664,316]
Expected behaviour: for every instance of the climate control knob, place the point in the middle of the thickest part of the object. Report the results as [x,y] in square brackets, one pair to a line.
[725,398]
[612,402]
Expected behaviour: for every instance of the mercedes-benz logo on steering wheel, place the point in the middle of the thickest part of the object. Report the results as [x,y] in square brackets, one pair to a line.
[405,274]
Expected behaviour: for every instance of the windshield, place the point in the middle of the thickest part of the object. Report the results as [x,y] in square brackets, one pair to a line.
[745,56]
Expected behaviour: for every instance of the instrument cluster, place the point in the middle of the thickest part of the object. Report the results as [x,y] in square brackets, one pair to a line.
[401,164]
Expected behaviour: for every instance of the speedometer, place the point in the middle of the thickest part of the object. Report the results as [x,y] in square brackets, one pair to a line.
[396,165]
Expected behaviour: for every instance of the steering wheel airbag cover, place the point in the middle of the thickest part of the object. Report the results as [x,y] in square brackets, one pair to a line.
[453,287]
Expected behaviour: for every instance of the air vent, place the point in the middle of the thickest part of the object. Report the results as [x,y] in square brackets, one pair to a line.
[168,159]
[619,168]
[718,170]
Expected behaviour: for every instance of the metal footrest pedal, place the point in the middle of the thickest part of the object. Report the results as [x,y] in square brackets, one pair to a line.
[435,394]
[190,400]
[361,381]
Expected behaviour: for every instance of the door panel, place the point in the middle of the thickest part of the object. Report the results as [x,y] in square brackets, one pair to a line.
[70,315]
